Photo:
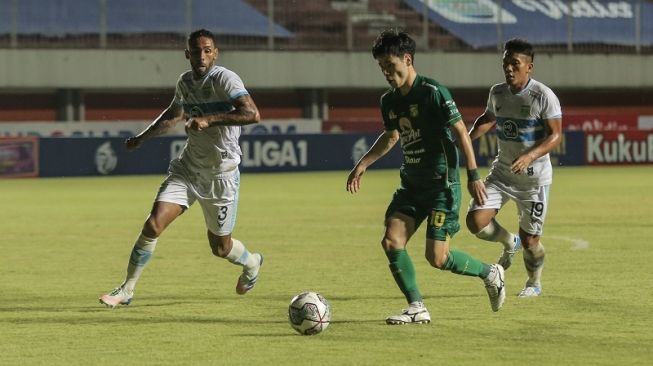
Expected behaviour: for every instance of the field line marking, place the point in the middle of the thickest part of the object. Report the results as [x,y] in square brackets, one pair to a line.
[577,243]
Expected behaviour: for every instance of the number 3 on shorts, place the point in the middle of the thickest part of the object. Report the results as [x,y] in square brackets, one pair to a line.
[222,215]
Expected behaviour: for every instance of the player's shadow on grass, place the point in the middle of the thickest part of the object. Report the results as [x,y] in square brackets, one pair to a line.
[359,321]
[401,299]
[132,318]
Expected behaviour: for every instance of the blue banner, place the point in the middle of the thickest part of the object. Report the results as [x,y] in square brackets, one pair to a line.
[61,157]
[479,22]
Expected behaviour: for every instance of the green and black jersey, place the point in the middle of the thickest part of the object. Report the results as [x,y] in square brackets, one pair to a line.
[423,118]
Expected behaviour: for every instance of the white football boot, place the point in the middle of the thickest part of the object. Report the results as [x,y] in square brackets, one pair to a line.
[506,257]
[495,287]
[530,291]
[248,278]
[117,297]
[415,314]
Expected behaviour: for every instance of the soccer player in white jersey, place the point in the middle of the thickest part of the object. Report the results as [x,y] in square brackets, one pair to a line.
[214,104]
[528,122]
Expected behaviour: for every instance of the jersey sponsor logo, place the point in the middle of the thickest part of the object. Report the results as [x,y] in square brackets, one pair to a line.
[408,135]
[510,129]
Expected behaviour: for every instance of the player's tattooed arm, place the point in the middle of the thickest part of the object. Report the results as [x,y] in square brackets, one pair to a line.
[162,124]
[245,112]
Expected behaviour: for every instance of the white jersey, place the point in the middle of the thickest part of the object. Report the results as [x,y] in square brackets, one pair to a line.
[215,149]
[520,124]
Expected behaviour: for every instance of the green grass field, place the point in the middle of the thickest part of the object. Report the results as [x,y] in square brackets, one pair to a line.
[65,241]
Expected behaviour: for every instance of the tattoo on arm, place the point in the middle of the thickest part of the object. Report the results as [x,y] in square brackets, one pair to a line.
[166,120]
[245,113]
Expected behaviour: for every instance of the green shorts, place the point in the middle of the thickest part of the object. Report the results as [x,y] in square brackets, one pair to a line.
[440,205]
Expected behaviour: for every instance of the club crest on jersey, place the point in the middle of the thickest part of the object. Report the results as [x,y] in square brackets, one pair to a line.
[404,124]
[196,112]
[525,110]
[392,114]
[510,129]
[412,109]
[207,92]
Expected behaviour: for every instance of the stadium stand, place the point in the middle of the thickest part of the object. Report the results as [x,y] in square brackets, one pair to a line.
[322,24]
[316,25]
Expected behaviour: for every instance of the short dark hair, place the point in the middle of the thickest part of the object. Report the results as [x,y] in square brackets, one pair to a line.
[393,42]
[200,33]
[519,45]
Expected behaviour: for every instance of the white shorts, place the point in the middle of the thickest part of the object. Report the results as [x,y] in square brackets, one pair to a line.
[531,203]
[217,195]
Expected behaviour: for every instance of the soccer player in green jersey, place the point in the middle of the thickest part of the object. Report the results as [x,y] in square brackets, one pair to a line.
[420,113]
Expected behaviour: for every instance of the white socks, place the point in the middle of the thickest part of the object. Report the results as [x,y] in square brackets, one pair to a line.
[240,255]
[495,232]
[141,253]
[534,262]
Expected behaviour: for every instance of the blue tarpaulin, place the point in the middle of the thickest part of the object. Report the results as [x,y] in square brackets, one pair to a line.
[71,17]
[553,22]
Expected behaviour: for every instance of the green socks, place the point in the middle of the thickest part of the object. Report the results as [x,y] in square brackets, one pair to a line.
[462,263]
[403,271]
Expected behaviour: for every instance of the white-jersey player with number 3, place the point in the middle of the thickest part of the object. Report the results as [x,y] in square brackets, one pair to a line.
[528,121]
[214,104]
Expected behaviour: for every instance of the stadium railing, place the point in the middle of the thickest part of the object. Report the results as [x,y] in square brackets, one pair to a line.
[574,26]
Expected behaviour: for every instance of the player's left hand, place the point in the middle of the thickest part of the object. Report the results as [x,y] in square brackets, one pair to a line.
[196,123]
[521,164]
[476,188]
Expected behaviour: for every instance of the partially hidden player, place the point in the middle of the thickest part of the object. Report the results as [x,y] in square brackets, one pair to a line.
[528,121]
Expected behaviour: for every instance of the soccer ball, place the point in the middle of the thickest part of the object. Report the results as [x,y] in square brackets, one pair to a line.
[309,313]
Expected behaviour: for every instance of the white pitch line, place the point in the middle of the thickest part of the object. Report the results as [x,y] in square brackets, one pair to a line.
[577,244]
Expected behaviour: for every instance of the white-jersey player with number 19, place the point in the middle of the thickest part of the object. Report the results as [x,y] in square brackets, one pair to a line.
[214,104]
[528,121]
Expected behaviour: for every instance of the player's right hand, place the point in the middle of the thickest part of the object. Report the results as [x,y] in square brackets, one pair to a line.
[133,143]
[354,179]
